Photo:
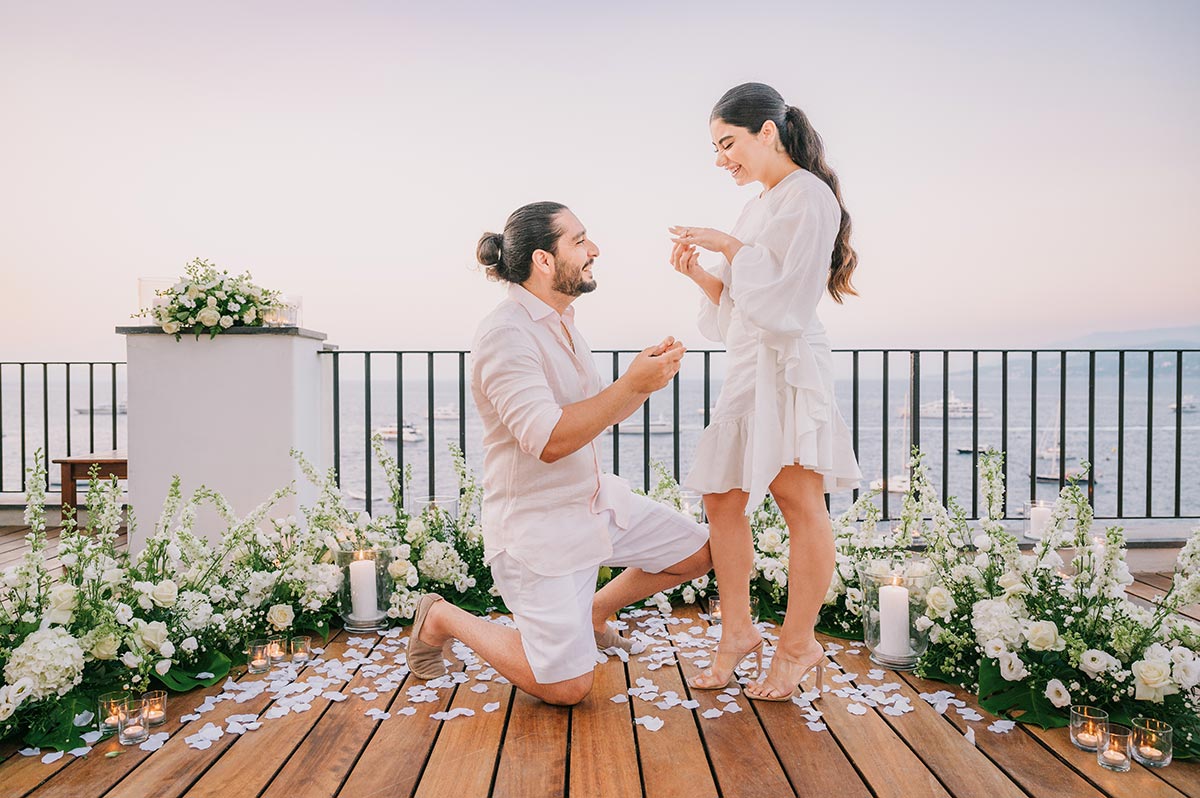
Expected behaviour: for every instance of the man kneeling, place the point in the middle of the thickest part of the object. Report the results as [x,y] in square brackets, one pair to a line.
[551,518]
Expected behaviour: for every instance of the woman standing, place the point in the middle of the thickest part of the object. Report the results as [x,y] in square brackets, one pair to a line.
[775,426]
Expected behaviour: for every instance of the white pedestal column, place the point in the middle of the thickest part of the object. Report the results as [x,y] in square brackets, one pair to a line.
[223,413]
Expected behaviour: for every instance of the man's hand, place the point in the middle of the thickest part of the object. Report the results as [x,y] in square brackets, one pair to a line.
[654,366]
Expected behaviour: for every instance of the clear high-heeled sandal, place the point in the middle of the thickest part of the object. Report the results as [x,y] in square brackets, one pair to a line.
[794,670]
[709,680]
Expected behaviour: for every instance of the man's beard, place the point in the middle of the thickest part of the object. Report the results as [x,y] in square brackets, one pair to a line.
[573,284]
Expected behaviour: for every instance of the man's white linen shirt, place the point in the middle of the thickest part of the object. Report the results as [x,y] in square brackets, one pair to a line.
[548,516]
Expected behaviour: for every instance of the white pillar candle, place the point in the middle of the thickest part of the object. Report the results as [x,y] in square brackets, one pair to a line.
[1038,518]
[362,589]
[893,620]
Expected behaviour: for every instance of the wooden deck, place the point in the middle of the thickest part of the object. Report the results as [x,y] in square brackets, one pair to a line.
[525,749]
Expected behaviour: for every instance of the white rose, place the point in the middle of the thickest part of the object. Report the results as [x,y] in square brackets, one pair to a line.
[922,623]
[167,649]
[145,602]
[165,593]
[209,317]
[212,302]
[689,594]
[1043,636]
[64,599]
[281,616]
[1187,673]
[130,660]
[398,569]
[1094,662]
[1057,693]
[193,292]
[106,647]
[171,327]
[150,635]
[162,666]
[226,322]
[1011,667]
[124,614]
[1152,679]
[940,602]
[250,316]
[113,576]
[189,645]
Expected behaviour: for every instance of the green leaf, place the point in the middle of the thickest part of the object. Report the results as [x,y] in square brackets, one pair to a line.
[213,662]
[1020,701]
[56,727]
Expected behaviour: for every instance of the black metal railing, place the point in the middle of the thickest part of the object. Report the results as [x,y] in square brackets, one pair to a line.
[63,408]
[1095,393]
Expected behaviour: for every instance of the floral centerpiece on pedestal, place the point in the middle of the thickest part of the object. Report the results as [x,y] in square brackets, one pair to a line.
[208,301]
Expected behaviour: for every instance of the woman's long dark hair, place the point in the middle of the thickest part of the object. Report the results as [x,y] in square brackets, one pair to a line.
[509,256]
[750,105]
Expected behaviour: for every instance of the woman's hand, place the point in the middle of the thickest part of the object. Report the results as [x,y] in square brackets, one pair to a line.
[707,238]
[686,260]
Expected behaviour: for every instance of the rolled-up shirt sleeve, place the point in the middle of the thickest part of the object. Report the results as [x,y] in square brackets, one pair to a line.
[778,281]
[513,378]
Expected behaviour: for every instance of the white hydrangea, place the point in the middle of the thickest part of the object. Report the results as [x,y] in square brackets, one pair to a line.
[51,659]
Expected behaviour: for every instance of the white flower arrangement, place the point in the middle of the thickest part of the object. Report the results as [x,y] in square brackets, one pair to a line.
[207,300]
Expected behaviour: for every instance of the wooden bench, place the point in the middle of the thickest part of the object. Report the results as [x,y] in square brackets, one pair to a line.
[113,463]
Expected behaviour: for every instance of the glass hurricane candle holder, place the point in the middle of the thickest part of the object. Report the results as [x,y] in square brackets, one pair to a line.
[257,659]
[155,707]
[1150,744]
[131,723]
[1114,753]
[110,707]
[300,648]
[277,649]
[895,628]
[691,504]
[443,504]
[1037,516]
[1089,726]
[366,587]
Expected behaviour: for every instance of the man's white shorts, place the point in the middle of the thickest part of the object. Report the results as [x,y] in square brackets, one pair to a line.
[554,613]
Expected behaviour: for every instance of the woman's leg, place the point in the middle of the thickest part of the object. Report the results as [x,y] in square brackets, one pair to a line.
[800,494]
[733,561]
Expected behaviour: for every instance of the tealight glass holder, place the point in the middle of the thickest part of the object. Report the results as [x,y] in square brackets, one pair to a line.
[277,649]
[1151,742]
[131,723]
[1089,727]
[714,609]
[1114,753]
[300,648]
[366,588]
[156,707]
[1037,517]
[110,707]
[257,660]
[894,594]
[442,504]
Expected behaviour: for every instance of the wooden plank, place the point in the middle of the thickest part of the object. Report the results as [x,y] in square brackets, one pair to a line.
[178,768]
[741,755]
[320,763]
[464,758]
[1023,758]
[1148,595]
[1139,781]
[677,742]
[394,758]
[1183,776]
[1161,581]
[533,759]
[602,754]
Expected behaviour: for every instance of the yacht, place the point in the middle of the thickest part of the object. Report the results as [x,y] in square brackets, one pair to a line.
[406,432]
[1072,473]
[896,483]
[444,413]
[1189,405]
[102,410]
[954,408]
[658,426]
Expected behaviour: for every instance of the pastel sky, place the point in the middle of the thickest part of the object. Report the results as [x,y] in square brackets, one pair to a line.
[1018,173]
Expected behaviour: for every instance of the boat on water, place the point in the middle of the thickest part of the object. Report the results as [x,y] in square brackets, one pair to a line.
[103,410]
[896,483]
[444,413]
[1076,474]
[953,408]
[983,448]
[658,426]
[1188,405]
[406,432]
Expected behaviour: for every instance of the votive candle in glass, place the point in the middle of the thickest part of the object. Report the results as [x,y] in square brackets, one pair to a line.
[111,705]
[156,707]
[300,648]
[257,659]
[714,609]
[1088,727]
[277,649]
[132,727]
[1151,742]
[1114,752]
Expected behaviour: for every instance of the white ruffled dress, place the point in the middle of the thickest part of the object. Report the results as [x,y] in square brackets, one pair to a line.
[776,406]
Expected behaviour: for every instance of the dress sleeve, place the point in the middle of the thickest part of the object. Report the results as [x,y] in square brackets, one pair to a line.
[714,319]
[778,280]
[513,378]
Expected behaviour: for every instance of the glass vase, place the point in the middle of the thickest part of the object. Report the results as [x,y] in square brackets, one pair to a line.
[894,593]
[366,588]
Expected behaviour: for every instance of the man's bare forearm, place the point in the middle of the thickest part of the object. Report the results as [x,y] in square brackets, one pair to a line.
[582,422]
